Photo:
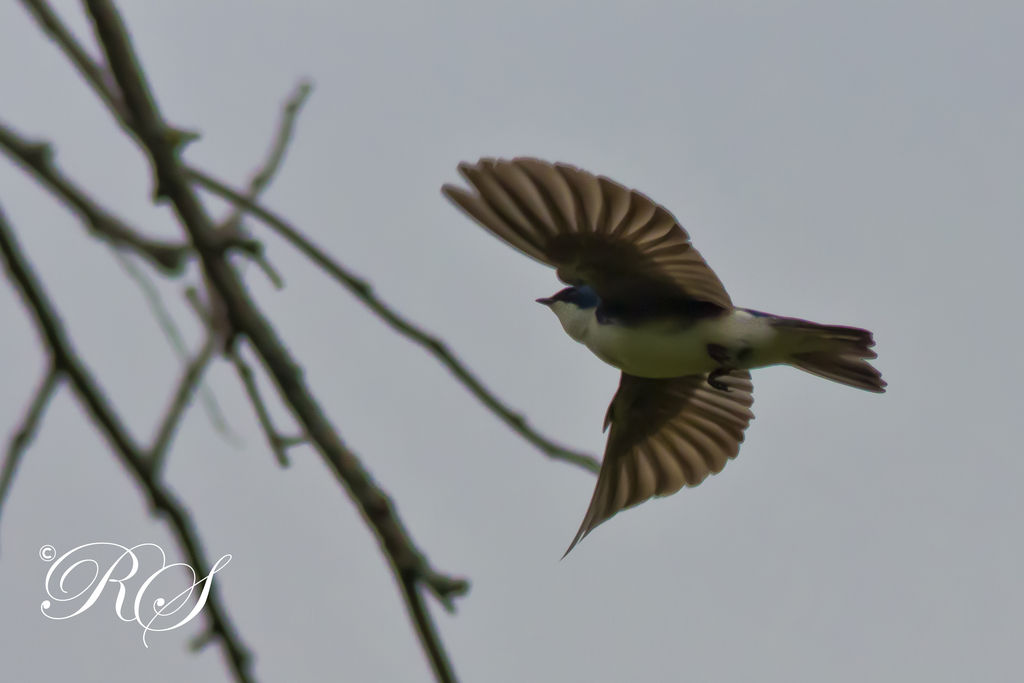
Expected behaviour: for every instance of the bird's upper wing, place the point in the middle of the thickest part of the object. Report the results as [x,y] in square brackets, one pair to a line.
[666,434]
[592,229]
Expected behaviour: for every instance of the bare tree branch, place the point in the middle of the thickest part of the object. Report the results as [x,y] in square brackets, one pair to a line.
[282,138]
[278,444]
[173,183]
[177,342]
[103,83]
[427,631]
[261,178]
[182,397]
[94,74]
[434,345]
[95,402]
[266,172]
[37,159]
[124,90]
[268,169]
[26,432]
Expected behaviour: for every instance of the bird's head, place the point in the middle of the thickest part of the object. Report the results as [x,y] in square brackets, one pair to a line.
[574,308]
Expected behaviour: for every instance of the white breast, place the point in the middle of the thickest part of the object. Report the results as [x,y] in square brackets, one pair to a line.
[668,349]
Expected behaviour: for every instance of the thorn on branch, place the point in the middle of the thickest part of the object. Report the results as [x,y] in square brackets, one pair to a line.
[39,153]
[446,588]
[180,138]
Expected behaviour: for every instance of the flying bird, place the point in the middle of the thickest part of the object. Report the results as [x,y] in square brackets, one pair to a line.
[643,300]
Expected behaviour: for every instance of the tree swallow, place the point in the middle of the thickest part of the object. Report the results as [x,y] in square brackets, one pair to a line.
[643,300]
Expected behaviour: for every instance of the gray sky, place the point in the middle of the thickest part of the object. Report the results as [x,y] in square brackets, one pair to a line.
[853,163]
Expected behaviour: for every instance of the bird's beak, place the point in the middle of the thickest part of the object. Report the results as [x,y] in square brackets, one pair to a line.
[546,300]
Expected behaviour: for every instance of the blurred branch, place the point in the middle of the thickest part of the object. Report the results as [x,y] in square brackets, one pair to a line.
[95,402]
[120,82]
[434,345]
[26,432]
[262,177]
[279,145]
[173,183]
[177,342]
[278,443]
[100,78]
[426,630]
[266,172]
[94,73]
[37,159]
[182,397]
[260,180]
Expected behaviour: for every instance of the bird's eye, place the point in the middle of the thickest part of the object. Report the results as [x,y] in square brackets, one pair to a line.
[584,297]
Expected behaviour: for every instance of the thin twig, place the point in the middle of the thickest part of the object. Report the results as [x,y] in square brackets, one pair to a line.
[95,402]
[124,240]
[156,304]
[37,159]
[23,436]
[94,74]
[427,631]
[261,179]
[182,397]
[434,345]
[176,340]
[278,443]
[173,183]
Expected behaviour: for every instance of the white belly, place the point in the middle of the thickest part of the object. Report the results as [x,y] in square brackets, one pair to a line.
[669,350]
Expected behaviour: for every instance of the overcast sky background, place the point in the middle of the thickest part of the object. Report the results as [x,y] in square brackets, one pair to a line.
[852,163]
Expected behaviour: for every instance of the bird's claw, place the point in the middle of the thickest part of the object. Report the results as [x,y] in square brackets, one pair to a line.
[717,383]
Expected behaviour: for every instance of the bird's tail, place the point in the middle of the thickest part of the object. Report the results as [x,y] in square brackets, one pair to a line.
[835,352]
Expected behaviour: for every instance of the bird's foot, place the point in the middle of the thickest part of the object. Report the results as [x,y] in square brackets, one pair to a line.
[717,383]
[719,354]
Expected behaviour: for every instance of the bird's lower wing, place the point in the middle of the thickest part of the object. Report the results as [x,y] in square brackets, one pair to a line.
[666,434]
